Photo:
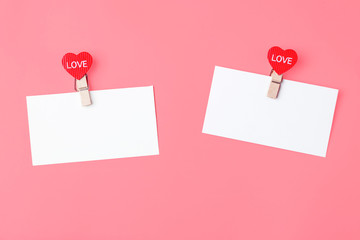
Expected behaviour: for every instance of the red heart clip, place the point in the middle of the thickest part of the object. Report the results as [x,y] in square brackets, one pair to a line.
[281,60]
[77,65]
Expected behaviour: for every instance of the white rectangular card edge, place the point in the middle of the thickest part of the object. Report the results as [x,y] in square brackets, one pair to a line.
[102,90]
[92,160]
[286,80]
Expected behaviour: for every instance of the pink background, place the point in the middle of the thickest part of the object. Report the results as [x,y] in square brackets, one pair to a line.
[200,186]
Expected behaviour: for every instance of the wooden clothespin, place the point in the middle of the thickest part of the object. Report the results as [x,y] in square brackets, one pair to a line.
[281,61]
[78,66]
[274,84]
[82,87]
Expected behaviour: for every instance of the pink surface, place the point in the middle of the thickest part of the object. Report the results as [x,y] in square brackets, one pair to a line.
[200,186]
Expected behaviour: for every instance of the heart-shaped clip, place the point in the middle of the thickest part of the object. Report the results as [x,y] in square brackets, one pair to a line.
[77,66]
[281,61]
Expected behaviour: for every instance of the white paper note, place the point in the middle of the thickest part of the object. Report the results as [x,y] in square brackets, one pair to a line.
[299,119]
[120,123]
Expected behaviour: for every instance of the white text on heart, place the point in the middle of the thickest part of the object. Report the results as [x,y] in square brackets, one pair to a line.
[76,64]
[280,59]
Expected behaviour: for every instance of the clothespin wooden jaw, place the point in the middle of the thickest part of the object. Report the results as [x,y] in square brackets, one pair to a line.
[275,83]
[82,87]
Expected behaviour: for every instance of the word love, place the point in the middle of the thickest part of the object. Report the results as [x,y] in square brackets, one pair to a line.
[281,60]
[77,65]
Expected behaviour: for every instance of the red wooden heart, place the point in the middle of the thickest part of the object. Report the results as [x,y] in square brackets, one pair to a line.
[281,60]
[77,65]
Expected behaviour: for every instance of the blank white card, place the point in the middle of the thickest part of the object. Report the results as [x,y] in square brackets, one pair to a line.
[120,123]
[300,119]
